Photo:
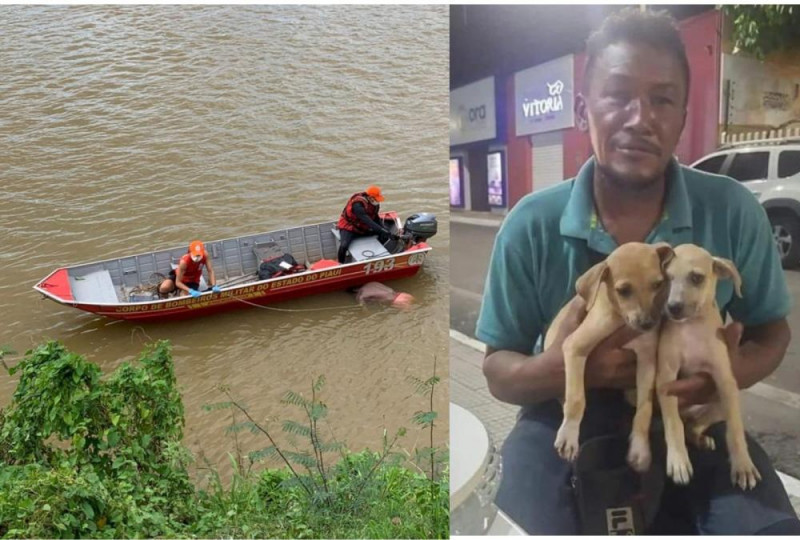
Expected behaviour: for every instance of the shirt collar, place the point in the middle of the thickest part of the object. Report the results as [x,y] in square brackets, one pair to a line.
[579,219]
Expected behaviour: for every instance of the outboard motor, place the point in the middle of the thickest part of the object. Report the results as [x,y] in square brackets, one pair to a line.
[420,227]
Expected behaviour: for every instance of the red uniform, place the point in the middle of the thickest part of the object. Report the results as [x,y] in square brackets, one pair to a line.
[349,220]
[194,270]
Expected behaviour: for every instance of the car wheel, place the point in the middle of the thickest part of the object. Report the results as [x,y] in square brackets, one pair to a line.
[786,233]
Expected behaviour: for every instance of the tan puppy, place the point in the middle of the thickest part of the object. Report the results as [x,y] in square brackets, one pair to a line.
[627,288]
[691,342]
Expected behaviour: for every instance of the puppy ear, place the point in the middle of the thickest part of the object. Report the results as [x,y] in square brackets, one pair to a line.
[588,285]
[725,269]
[665,253]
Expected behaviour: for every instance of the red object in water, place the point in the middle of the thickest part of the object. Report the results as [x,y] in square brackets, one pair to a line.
[378,292]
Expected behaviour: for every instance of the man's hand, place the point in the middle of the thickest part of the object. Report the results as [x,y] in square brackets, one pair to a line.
[700,388]
[611,366]
[608,365]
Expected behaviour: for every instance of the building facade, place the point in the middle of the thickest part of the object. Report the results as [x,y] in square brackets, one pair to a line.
[534,143]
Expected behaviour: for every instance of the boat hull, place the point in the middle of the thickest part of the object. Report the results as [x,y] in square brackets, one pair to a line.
[260,293]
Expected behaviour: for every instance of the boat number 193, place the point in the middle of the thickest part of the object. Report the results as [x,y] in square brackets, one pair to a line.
[379,266]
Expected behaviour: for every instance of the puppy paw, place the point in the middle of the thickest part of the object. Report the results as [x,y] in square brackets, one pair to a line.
[706,443]
[639,456]
[679,468]
[703,442]
[567,441]
[743,473]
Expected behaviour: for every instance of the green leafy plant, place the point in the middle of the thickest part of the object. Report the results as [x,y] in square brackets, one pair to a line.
[360,494]
[87,456]
[763,29]
[426,420]
[105,455]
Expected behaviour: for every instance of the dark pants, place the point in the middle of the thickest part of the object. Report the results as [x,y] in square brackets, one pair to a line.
[536,489]
[346,237]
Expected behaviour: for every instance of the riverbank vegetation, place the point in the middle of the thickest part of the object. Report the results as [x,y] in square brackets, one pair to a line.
[84,455]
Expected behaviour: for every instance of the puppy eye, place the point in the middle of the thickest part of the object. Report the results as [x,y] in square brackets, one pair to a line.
[625,291]
[696,279]
[657,285]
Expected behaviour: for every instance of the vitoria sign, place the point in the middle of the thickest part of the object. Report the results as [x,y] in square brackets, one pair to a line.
[544,96]
[552,103]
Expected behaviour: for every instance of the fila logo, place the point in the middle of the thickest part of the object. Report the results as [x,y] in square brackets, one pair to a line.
[620,521]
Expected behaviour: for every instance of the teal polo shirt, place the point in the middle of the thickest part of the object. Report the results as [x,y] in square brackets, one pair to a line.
[553,236]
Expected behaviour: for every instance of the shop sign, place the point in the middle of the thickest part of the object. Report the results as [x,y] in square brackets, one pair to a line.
[472,113]
[544,97]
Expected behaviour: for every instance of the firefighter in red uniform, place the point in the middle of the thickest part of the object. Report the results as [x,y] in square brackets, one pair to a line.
[360,218]
[190,269]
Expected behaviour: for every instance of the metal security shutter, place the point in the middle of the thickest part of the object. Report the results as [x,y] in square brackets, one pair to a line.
[548,159]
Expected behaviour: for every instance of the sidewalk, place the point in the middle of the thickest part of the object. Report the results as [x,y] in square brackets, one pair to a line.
[469,217]
[468,389]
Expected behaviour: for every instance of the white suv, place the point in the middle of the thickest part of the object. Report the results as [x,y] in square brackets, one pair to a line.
[771,170]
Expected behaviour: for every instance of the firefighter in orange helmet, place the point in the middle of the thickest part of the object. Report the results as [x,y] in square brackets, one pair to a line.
[360,218]
[186,276]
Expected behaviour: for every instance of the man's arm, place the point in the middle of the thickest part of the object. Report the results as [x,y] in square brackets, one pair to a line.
[179,277]
[361,214]
[761,352]
[521,379]
[212,279]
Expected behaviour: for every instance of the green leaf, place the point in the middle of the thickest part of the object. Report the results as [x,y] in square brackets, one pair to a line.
[218,406]
[290,426]
[331,446]
[425,418]
[319,410]
[113,437]
[292,398]
[241,426]
[88,510]
[258,455]
[302,458]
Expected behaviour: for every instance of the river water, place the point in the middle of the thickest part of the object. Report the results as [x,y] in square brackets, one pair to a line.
[126,129]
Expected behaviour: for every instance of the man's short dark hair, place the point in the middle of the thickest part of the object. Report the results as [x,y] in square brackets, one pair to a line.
[655,28]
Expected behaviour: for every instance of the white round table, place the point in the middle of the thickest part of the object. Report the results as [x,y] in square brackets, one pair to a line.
[469,453]
[474,474]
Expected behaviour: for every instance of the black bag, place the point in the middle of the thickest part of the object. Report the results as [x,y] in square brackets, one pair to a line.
[612,498]
[270,268]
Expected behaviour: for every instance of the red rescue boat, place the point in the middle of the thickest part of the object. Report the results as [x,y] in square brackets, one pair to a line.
[126,287]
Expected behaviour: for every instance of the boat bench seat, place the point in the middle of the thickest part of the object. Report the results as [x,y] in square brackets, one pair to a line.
[94,288]
[363,247]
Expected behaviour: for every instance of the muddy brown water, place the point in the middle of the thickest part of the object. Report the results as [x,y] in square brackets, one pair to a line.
[131,128]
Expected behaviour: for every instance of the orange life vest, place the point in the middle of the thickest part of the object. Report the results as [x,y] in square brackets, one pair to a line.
[194,270]
[349,220]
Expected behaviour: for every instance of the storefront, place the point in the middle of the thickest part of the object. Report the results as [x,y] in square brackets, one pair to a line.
[536,134]
[478,170]
[544,103]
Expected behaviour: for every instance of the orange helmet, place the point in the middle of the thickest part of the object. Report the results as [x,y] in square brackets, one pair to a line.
[375,193]
[197,248]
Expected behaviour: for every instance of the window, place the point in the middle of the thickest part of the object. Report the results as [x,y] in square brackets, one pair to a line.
[749,166]
[712,164]
[788,163]
[456,182]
